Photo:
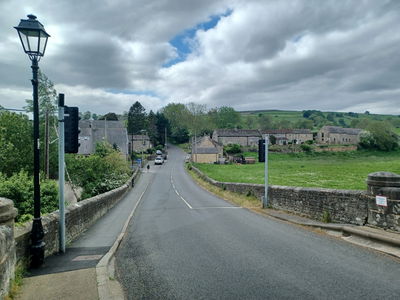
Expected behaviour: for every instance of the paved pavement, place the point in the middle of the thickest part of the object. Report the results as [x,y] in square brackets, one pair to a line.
[73,275]
[76,275]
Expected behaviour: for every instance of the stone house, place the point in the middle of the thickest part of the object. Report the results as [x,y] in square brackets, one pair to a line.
[206,150]
[95,131]
[338,135]
[138,143]
[292,136]
[250,137]
[242,137]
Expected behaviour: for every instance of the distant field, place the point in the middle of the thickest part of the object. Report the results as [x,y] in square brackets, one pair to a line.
[296,116]
[325,170]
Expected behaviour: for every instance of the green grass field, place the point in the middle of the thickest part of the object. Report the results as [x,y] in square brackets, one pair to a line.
[348,170]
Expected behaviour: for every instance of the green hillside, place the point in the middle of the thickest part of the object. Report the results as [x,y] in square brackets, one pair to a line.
[293,119]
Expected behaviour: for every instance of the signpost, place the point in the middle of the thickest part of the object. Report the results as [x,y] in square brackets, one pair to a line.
[381,201]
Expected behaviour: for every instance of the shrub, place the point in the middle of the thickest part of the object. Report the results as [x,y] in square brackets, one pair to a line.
[233,149]
[306,148]
[101,172]
[19,188]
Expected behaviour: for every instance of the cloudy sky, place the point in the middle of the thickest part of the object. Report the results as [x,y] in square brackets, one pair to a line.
[249,54]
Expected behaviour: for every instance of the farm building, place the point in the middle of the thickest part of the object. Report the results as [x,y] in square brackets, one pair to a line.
[289,136]
[242,137]
[246,137]
[206,150]
[338,135]
[95,131]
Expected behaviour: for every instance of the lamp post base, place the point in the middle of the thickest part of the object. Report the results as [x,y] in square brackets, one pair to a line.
[37,246]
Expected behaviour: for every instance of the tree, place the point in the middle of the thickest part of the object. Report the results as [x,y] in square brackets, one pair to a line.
[177,115]
[136,118]
[47,110]
[162,124]
[16,144]
[225,117]
[109,117]
[86,115]
[95,116]
[152,127]
[379,136]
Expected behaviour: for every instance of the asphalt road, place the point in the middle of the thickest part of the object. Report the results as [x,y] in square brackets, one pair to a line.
[184,243]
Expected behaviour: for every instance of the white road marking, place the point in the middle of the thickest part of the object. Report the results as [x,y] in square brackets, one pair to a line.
[183,199]
[211,207]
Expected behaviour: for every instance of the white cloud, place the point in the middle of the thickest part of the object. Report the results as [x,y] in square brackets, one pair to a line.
[326,55]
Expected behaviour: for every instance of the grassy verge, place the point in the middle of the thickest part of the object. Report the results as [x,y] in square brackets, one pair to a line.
[337,170]
[235,198]
[185,147]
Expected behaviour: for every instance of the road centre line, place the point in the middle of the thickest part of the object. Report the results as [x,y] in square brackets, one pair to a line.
[183,199]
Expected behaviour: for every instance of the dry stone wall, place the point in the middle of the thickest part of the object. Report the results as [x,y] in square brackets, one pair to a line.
[78,218]
[342,206]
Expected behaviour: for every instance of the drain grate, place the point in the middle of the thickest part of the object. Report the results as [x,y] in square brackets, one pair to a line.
[87,257]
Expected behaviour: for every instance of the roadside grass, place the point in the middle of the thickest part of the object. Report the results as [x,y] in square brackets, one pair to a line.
[235,198]
[185,147]
[344,170]
[16,283]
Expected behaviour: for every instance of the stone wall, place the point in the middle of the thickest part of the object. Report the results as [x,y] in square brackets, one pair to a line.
[343,206]
[7,245]
[78,217]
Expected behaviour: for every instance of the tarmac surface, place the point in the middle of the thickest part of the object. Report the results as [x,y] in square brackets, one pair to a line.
[86,271]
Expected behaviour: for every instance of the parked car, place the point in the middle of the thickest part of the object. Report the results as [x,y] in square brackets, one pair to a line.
[159,160]
[159,152]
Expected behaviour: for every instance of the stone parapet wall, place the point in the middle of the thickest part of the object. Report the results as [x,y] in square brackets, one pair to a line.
[343,206]
[7,245]
[78,218]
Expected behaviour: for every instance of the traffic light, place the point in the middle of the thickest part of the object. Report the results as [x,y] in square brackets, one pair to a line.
[261,150]
[71,129]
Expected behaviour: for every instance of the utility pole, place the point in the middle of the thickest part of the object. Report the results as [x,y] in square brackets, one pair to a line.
[265,199]
[61,173]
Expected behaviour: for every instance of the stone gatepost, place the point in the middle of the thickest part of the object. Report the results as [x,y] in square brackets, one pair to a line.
[385,184]
[7,245]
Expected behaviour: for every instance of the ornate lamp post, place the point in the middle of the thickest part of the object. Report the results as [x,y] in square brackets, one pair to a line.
[34,40]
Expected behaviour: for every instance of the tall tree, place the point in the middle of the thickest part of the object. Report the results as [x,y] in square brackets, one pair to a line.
[16,143]
[47,110]
[227,117]
[109,117]
[136,118]
[152,127]
[162,126]
[177,115]
[86,115]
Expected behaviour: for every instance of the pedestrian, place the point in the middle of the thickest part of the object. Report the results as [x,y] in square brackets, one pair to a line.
[148,167]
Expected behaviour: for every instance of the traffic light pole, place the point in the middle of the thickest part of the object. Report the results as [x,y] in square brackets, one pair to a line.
[265,199]
[61,173]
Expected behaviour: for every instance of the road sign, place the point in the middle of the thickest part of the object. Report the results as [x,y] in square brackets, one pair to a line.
[381,201]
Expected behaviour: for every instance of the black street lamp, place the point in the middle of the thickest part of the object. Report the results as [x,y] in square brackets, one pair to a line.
[34,40]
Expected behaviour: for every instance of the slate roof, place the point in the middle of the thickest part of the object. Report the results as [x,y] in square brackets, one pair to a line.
[237,132]
[286,131]
[341,130]
[94,131]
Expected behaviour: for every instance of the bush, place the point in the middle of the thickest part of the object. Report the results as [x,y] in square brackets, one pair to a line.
[101,172]
[379,137]
[306,148]
[233,149]
[19,188]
